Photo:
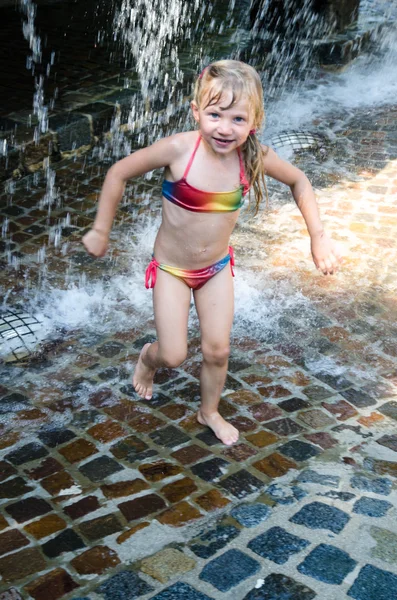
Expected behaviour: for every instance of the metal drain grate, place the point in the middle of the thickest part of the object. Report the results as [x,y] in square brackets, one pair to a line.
[299,140]
[17,332]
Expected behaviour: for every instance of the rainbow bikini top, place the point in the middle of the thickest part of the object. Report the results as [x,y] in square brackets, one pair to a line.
[186,196]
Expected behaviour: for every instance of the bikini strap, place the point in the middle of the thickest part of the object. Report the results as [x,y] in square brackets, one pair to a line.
[243,179]
[191,159]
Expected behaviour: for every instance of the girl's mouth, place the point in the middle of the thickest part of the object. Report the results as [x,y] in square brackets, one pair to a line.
[223,143]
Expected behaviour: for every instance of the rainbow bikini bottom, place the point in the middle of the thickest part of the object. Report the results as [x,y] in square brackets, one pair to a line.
[193,279]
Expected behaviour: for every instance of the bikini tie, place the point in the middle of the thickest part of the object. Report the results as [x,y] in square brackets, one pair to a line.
[151,274]
[231,252]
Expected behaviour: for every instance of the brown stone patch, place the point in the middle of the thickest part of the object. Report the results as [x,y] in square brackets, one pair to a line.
[159,470]
[274,363]
[265,411]
[8,439]
[274,465]
[240,452]
[127,534]
[124,411]
[243,423]
[341,409]
[335,334]
[262,439]
[124,488]
[47,467]
[211,500]
[371,420]
[95,560]
[46,526]
[6,470]
[190,424]
[82,507]
[130,445]
[174,411]
[244,397]
[78,450]
[146,423]
[190,454]
[226,409]
[51,586]
[12,540]
[107,431]
[178,515]
[298,378]
[141,507]
[274,391]
[54,484]
[3,523]
[177,490]
[254,379]
[315,419]
[322,438]
[100,527]
[21,564]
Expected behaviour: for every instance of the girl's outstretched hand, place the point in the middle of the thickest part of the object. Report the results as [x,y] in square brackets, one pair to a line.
[96,242]
[326,255]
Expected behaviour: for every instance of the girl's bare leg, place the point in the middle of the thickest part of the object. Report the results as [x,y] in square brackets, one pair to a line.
[171,303]
[215,307]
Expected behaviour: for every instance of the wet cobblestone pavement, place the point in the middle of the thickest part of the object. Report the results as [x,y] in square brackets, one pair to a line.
[105,496]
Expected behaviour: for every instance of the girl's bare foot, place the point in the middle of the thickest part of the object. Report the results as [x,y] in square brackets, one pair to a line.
[143,376]
[222,429]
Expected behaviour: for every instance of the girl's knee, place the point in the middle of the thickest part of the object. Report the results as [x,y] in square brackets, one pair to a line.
[215,353]
[172,358]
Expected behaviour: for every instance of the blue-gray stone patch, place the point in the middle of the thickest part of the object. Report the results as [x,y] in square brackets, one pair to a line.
[317,515]
[328,564]
[372,507]
[250,515]
[277,544]
[229,569]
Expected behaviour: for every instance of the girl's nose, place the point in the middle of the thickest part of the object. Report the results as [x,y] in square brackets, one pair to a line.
[224,128]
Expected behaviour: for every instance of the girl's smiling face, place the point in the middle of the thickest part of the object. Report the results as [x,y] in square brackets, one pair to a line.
[224,124]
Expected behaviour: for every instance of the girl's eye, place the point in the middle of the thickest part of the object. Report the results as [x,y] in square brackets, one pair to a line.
[239,119]
[214,115]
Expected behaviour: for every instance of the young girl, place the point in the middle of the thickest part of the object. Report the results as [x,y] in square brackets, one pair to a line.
[207,174]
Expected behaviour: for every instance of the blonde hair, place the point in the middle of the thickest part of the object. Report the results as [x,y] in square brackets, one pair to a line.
[242,80]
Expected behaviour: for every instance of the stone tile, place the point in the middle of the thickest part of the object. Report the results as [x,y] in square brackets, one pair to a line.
[284,427]
[265,411]
[54,484]
[178,515]
[53,437]
[169,437]
[374,584]
[317,515]
[211,500]
[229,569]
[358,398]
[285,494]
[54,585]
[213,540]
[243,423]
[95,560]
[386,545]
[322,439]
[9,439]
[146,423]
[47,467]
[317,392]
[274,465]
[129,448]
[14,488]
[124,411]
[380,485]
[100,468]
[100,527]
[344,496]
[26,453]
[382,467]
[310,476]
[10,594]
[262,439]
[389,409]
[277,545]
[159,470]
[315,419]
[107,431]
[335,381]
[389,441]
[82,507]
[241,484]
[280,587]
[166,564]
[6,470]
[190,454]
[12,540]
[274,391]
[124,488]
[244,397]
[373,419]
[240,452]
[327,564]
[126,585]
[19,565]
[174,411]
[141,507]
[372,507]
[298,450]
[177,490]
[28,509]
[46,526]
[67,541]
[254,379]
[293,404]
[341,409]
[3,523]
[78,450]
[180,591]
[209,438]
[250,515]
[210,470]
